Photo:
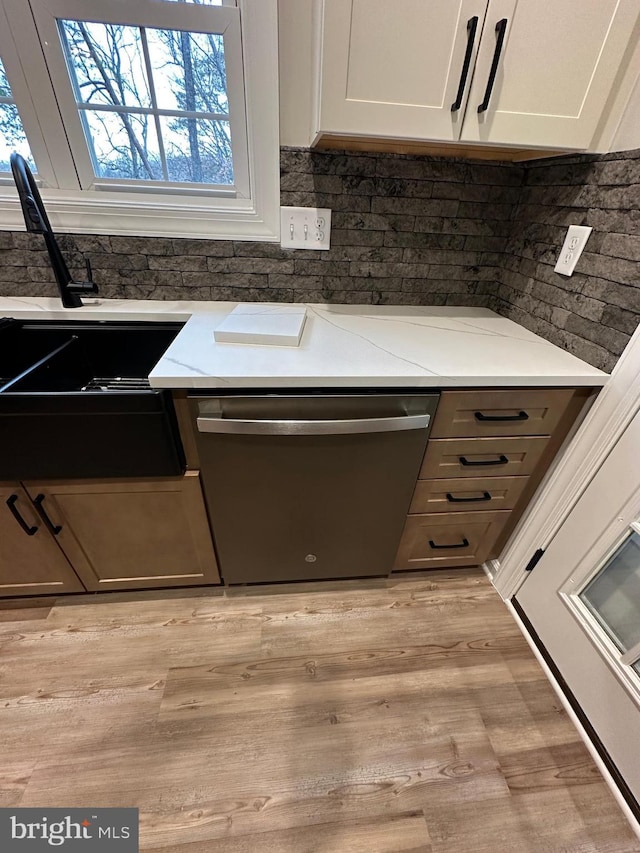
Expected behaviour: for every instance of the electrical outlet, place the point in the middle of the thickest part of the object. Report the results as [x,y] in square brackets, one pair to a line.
[574,243]
[305,227]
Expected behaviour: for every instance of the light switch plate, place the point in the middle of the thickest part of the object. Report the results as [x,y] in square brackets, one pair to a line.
[574,243]
[305,227]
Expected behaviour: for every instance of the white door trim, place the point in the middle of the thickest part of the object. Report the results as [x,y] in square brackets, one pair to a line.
[605,422]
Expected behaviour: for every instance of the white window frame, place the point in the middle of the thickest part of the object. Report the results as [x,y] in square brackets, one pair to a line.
[37,73]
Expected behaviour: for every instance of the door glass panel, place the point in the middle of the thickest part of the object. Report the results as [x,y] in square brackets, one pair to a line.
[613,595]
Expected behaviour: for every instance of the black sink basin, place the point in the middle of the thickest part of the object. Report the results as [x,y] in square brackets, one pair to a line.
[75,401]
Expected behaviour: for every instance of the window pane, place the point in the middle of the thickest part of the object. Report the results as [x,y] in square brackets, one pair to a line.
[12,135]
[5,89]
[188,71]
[198,150]
[614,594]
[124,145]
[106,63]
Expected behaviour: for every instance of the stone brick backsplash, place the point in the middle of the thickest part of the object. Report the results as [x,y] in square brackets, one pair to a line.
[406,230]
[594,312]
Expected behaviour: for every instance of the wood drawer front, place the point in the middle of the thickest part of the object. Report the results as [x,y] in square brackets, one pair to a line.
[422,532]
[461,413]
[466,495]
[444,455]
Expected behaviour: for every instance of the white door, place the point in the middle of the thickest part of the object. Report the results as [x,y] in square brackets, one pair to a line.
[397,69]
[555,65]
[583,601]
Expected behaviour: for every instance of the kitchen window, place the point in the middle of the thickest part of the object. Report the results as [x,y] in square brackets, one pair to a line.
[155,117]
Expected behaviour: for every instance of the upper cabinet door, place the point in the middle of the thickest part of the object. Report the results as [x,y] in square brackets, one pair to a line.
[553,73]
[396,69]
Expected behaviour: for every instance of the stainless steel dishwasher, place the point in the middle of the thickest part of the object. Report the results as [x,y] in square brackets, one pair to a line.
[306,485]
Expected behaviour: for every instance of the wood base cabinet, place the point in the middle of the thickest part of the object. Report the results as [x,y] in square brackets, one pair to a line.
[487,452]
[131,534]
[76,535]
[30,561]
[449,539]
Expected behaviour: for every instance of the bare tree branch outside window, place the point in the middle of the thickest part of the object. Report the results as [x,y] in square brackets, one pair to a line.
[153,102]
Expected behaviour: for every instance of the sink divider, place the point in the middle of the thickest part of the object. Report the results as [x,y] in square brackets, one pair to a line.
[38,364]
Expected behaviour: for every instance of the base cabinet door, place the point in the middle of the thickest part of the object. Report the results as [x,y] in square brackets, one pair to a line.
[31,563]
[131,534]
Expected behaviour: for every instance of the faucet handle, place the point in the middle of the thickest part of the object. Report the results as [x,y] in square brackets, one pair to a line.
[92,287]
[79,287]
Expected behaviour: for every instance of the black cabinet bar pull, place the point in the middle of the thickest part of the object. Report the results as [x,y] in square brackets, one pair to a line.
[51,527]
[501,460]
[472,26]
[485,497]
[521,416]
[501,29]
[13,509]
[463,544]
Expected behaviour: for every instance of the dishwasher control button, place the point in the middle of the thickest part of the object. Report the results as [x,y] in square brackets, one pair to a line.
[310,558]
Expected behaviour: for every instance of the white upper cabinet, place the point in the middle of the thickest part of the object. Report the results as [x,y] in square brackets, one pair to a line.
[393,67]
[554,74]
[541,71]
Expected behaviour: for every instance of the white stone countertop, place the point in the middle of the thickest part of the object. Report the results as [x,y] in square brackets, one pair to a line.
[341,346]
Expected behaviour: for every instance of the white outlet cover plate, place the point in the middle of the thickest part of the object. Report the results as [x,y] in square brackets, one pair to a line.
[574,243]
[266,325]
[305,227]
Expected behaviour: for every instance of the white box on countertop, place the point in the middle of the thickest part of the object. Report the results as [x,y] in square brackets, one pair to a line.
[261,324]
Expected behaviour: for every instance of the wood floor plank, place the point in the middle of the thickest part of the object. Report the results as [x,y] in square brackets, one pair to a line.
[402,714]
[14,776]
[23,614]
[403,833]
[539,822]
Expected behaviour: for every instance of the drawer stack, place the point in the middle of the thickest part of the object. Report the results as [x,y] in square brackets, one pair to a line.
[484,449]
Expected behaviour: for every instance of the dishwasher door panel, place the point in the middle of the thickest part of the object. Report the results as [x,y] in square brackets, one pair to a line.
[289,505]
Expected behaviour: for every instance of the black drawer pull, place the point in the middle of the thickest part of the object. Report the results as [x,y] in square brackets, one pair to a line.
[485,497]
[521,416]
[13,509]
[501,460]
[51,527]
[472,26]
[501,28]
[463,544]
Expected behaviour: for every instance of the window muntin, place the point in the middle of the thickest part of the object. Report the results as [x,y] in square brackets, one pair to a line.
[12,135]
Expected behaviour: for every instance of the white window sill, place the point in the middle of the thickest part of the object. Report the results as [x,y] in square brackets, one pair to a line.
[150,216]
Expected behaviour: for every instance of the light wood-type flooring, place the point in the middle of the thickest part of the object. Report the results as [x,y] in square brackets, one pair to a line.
[353,717]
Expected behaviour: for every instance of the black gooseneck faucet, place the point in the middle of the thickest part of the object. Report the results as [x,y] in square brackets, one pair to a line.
[37,221]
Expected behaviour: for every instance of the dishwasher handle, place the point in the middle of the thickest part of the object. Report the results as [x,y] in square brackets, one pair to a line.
[311,427]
